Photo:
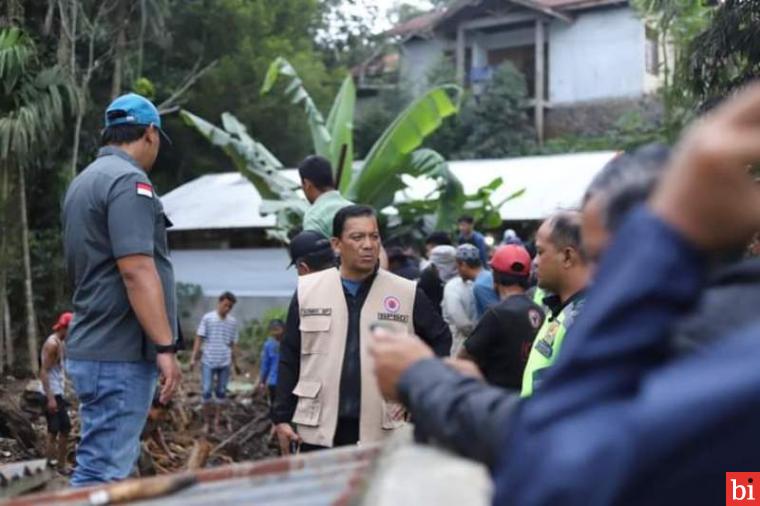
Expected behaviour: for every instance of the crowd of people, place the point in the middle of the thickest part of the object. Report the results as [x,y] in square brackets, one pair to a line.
[606,360]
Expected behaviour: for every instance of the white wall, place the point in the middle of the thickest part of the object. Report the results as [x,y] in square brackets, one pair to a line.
[418,57]
[599,56]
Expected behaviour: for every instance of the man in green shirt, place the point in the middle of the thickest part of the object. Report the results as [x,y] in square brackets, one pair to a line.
[318,185]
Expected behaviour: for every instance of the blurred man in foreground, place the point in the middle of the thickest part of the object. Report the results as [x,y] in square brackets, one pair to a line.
[621,420]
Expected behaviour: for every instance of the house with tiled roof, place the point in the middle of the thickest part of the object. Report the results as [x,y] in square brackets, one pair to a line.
[586,62]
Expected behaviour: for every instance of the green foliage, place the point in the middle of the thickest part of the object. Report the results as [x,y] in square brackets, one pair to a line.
[676,22]
[629,132]
[329,138]
[379,178]
[33,105]
[500,124]
[188,297]
[725,55]
[143,86]
[376,114]
[255,333]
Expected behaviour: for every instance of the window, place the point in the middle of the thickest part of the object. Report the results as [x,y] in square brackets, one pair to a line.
[652,52]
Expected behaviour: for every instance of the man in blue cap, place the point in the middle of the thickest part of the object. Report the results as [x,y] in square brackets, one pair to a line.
[125,317]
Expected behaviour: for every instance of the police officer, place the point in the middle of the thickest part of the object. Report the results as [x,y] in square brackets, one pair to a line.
[326,387]
[562,269]
[125,315]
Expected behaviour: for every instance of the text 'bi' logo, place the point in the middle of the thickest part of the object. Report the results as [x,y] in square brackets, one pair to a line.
[740,488]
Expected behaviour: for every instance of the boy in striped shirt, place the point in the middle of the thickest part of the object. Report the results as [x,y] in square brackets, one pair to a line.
[219,332]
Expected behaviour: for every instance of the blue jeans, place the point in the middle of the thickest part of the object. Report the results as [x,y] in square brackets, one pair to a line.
[114,399]
[208,374]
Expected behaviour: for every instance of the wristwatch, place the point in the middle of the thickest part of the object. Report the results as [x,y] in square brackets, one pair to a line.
[166,348]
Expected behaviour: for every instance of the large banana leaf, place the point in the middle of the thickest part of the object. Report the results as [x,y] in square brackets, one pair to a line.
[379,178]
[251,158]
[451,198]
[319,132]
[340,124]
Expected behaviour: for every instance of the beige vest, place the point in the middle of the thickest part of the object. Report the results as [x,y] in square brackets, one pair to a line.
[324,328]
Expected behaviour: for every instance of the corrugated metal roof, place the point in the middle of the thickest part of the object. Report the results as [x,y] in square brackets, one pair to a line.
[215,201]
[557,181]
[19,477]
[259,272]
[550,182]
[316,479]
[398,473]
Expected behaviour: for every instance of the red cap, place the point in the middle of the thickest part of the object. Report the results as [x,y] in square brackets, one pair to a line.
[511,259]
[63,321]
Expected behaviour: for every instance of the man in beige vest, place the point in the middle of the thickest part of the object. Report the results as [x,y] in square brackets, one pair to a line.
[327,394]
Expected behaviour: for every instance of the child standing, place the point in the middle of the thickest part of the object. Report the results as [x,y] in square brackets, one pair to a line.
[270,357]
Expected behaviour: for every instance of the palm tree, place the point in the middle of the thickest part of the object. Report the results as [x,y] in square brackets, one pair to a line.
[33,104]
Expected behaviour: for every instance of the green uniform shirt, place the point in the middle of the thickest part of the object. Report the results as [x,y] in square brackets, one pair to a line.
[319,216]
[548,343]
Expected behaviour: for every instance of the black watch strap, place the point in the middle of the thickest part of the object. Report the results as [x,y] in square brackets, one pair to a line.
[166,348]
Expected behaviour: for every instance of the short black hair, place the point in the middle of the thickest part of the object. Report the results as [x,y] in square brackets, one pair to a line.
[348,212]
[566,231]
[439,238]
[506,279]
[228,296]
[318,261]
[466,218]
[318,170]
[626,181]
[276,323]
[122,134]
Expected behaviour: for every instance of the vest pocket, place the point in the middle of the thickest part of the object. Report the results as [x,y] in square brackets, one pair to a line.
[394,415]
[314,333]
[309,407]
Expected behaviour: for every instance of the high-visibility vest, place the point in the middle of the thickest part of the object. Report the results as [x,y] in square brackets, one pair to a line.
[547,346]
[538,296]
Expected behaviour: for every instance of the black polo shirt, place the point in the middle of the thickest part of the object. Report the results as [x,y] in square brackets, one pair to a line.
[501,341]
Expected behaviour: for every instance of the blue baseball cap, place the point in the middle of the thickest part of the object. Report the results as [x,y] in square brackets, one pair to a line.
[134,109]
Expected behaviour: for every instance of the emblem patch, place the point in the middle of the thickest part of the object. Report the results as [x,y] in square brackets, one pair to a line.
[392,304]
[535,318]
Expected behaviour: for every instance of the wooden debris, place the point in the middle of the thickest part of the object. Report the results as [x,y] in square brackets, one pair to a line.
[199,455]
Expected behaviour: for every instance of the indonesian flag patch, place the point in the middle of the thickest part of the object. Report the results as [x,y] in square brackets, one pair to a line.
[145,190]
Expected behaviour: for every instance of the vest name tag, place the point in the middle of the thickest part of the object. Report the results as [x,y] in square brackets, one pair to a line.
[316,311]
[393,317]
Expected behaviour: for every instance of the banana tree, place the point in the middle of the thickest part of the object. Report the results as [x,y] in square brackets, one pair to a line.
[376,181]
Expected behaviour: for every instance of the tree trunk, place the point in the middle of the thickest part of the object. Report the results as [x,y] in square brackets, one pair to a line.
[10,358]
[31,317]
[77,134]
[15,12]
[9,355]
[119,51]
[141,40]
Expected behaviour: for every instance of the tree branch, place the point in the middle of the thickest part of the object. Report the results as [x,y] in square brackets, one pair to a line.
[190,80]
